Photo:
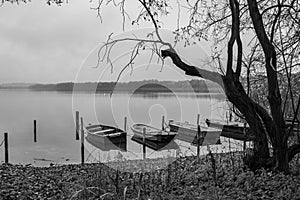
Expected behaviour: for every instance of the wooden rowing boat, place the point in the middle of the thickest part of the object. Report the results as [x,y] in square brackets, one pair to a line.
[156,145]
[151,133]
[237,127]
[188,132]
[234,130]
[106,137]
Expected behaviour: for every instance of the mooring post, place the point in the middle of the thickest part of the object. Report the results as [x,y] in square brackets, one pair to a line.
[298,129]
[198,135]
[77,125]
[163,123]
[34,130]
[227,117]
[82,142]
[6,147]
[144,143]
[198,140]
[245,134]
[125,124]
[198,119]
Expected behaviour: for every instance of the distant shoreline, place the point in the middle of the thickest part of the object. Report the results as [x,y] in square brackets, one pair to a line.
[139,87]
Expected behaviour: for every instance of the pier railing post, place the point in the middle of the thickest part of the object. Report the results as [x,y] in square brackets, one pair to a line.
[6,147]
[34,130]
[144,143]
[77,125]
[82,142]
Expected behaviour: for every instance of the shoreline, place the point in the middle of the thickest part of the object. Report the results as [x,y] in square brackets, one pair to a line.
[185,178]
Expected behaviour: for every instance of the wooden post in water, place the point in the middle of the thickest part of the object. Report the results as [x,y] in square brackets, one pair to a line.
[77,125]
[198,119]
[82,142]
[230,115]
[227,117]
[245,136]
[125,124]
[144,143]
[6,147]
[34,130]
[163,123]
[198,135]
[298,133]
[198,140]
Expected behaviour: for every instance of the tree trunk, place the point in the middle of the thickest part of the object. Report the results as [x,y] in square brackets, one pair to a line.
[276,127]
[281,159]
[237,95]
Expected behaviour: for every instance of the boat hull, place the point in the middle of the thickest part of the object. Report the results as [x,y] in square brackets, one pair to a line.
[151,133]
[235,131]
[106,137]
[188,132]
[233,127]
[155,145]
[107,145]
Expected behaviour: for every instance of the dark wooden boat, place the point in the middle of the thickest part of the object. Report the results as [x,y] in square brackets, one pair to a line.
[234,130]
[151,133]
[237,127]
[188,132]
[106,137]
[156,145]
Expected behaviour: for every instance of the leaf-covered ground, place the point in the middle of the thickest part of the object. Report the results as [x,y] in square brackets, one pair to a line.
[219,176]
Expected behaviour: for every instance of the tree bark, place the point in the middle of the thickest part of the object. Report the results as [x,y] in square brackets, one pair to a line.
[276,127]
[292,151]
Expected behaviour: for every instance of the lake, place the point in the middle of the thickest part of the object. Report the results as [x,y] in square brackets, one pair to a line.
[55,115]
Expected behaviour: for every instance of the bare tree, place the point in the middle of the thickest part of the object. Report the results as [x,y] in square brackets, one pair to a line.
[274,27]
[272,52]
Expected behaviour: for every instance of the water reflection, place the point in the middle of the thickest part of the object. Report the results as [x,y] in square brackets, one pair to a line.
[157,95]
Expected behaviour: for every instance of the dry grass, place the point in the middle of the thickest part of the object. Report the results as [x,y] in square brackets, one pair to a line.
[217,176]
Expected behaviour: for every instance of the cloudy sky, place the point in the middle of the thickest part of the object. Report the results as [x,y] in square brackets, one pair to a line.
[48,44]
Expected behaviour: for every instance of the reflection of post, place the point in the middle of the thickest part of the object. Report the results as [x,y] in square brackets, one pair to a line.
[82,142]
[125,124]
[6,147]
[244,130]
[34,130]
[77,125]
[163,123]
[198,119]
[144,143]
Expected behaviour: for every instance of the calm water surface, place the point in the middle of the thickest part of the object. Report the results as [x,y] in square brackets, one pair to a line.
[55,111]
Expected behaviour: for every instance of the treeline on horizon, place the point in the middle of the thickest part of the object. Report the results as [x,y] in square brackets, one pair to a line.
[200,86]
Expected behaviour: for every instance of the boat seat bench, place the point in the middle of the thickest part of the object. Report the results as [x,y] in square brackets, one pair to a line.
[103,131]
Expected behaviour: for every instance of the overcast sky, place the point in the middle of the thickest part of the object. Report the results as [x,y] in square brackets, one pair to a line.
[47,44]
